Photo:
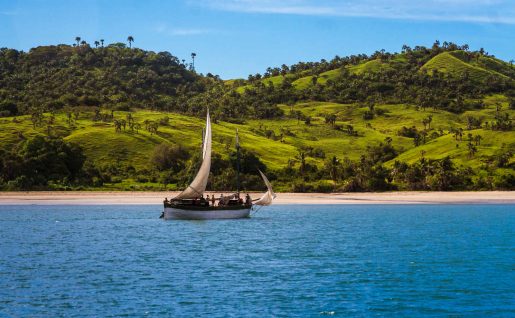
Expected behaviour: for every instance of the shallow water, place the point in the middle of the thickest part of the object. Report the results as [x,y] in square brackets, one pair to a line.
[286,261]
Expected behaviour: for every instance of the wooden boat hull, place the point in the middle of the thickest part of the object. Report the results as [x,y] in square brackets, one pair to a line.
[174,213]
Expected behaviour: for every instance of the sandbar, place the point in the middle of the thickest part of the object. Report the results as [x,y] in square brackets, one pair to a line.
[137,197]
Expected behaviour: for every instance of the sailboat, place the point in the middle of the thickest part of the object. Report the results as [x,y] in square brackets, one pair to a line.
[190,204]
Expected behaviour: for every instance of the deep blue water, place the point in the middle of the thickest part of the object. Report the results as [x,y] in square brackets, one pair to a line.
[287,261]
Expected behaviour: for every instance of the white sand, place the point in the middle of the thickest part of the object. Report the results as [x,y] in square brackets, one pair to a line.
[88,198]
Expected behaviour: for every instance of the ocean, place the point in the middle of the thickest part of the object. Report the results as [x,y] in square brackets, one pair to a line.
[285,261]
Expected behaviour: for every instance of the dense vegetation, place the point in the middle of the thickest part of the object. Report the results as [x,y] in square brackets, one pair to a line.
[50,78]
[118,117]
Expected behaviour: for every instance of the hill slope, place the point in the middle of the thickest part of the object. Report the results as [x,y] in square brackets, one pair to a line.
[450,63]
[53,77]
[357,123]
[277,143]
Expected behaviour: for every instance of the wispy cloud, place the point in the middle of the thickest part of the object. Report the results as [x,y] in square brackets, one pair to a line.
[8,13]
[164,29]
[475,11]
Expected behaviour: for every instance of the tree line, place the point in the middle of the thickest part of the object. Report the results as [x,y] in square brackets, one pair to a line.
[118,77]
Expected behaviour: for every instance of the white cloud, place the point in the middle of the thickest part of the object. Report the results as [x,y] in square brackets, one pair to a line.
[477,11]
[164,29]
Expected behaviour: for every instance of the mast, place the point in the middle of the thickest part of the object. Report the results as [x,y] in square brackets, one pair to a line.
[237,163]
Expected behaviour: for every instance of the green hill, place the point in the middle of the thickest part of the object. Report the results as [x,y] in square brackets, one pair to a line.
[276,142]
[53,77]
[454,63]
[373,66]
[119,118]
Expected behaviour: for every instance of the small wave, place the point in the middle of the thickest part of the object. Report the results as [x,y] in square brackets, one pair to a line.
[327,313]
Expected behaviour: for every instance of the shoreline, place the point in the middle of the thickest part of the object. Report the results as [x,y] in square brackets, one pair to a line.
[136,197]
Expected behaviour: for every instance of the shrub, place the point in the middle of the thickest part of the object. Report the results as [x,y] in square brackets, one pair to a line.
[411,132]
[380,111]
[167,157]
[165,121]
[505,181]
[368,115]
[8,108]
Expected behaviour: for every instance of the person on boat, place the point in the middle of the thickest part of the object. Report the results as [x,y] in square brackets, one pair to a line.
[207,200]
[213,200]
[166,202]
[221,200]
[248,200]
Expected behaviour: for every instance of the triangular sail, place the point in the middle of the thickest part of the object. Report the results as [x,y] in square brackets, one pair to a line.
[203,143]
[269,196]
[198,185]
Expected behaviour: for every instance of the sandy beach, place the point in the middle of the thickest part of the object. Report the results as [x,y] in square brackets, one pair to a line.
[99,198]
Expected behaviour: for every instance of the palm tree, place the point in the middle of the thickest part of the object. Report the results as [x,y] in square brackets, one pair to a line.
[130,39]
[350,130]
[388,140]
[498,107]
[472,149]
[424,122]
[97,43]
[477,139]
[77,39]
[333,167]
[193,60]
[302,158]
[511,63]
[332,119]
[456,134]
[102,42]
[83,42]
[137,126]
[117,126]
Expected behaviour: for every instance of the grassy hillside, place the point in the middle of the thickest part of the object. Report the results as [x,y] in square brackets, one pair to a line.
[276,142]
[455,63]
[275,80]
[356,123]
[373,66]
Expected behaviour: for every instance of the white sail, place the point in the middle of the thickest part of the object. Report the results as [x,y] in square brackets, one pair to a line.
[198,185]
[203,143]
[269,196]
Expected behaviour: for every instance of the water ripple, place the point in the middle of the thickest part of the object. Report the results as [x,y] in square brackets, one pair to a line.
[287,261]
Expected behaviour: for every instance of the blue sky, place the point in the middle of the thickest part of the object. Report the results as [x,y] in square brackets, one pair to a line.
[233,38]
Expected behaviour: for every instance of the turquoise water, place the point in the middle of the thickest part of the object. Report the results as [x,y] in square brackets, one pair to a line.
[287,261]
